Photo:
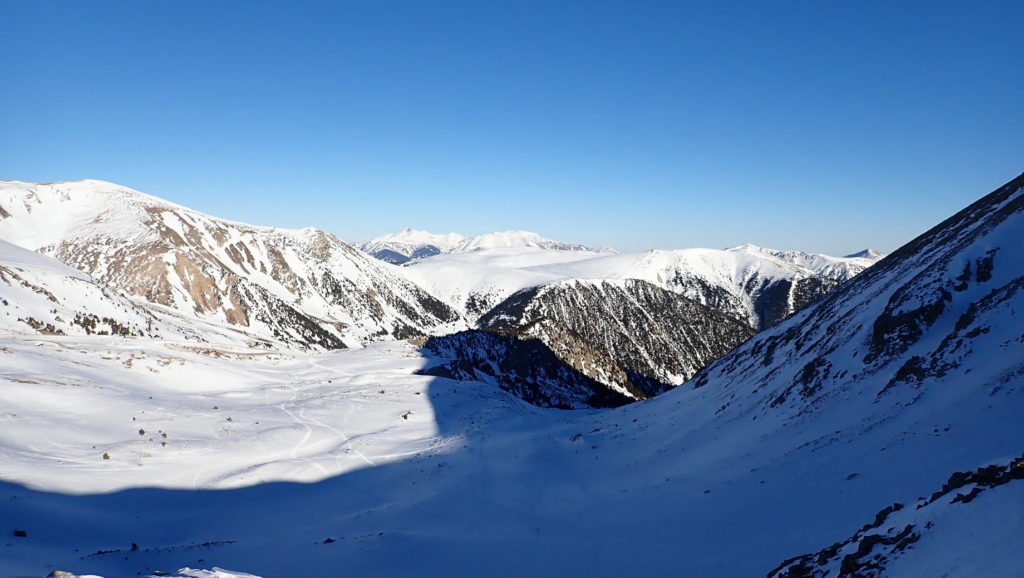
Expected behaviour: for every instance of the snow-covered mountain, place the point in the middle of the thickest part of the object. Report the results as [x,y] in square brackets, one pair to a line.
[836,268]
[759,286]
[656,338]
[512,239]
[410,244]
[474,282]
[41,295]
[637,323]
[905,385]
[296,286]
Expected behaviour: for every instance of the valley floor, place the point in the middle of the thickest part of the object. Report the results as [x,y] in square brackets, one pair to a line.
[284,464]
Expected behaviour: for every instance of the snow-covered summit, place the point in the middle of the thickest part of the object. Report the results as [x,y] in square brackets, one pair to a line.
[410,244]
[511,239]
[837,268]
[867,254]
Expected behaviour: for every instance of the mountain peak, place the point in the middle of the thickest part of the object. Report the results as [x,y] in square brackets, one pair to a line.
[866,254]
[409,244]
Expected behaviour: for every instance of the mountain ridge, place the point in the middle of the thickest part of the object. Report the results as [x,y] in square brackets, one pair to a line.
[411,244]
[303,286]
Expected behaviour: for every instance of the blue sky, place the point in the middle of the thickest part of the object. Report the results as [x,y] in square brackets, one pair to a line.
[821,126]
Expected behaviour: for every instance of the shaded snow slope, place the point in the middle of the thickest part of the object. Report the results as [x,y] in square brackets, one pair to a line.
[303,286]
[939,535]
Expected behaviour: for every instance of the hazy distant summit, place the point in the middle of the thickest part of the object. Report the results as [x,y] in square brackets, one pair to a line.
[867,254]
[410,244]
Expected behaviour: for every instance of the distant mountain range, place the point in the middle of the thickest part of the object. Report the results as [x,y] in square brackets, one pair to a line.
[410,244]
[758,285]
[632,326]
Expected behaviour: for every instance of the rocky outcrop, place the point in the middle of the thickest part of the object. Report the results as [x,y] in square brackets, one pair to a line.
[895,529]
[630,334]
[526,368]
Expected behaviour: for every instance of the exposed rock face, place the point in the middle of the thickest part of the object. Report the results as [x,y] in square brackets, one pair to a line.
[875,546]
[303,287]
[525,367]
[40,294]
[655,338]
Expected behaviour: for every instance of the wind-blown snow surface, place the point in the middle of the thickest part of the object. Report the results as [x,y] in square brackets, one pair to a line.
[874,395]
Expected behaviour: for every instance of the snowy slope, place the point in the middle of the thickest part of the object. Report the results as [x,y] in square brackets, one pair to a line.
[295,286]
[884,391]
[941,533]
[39,294]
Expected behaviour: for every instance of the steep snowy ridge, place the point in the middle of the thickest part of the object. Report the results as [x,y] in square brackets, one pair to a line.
[935,296]
[761,286]
[837,268]
[303,287]
[924,350]
[652,334]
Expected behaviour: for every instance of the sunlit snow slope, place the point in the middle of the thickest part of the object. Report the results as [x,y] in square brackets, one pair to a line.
[303,287]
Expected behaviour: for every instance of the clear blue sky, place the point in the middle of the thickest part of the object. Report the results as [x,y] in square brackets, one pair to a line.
[822,126]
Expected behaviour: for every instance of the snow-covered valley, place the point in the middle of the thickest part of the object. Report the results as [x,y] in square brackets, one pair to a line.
[132,455]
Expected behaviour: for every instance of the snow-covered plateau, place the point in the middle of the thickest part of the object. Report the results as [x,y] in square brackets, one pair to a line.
[875,432]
